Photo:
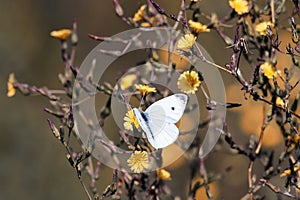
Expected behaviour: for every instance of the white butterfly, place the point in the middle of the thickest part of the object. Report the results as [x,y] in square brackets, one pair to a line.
[158,120]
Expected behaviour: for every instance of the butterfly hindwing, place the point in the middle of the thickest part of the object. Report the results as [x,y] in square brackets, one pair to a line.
[167,136]
[143,120]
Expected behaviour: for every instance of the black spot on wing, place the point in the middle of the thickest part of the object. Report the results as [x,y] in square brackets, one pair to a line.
[145,117]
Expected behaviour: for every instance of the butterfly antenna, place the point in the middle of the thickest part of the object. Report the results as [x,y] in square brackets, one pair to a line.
[125,100]
[143,99]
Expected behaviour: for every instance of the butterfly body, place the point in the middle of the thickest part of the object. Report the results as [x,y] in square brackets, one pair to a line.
[158,120]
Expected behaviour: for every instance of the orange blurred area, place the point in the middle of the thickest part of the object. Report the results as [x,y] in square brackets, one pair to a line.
[180,61]
[201,192]
[251,118]
[171,156]
[252,112]
[186,123]
[285,61]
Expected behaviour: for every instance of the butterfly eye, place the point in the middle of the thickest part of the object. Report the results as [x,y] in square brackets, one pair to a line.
[172,108]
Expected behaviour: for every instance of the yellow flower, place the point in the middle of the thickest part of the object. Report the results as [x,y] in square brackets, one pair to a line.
[198,27]
[261,28]
[11,91]
[127,81]
[139,15]
[296,138]
[188,82]
[268,70]
[146,24]
[151,22]
[138,161]
[186,41]
[130,119]
[279,102]
[144,89]
[163,175]
[288,171]
[240,6]
[61,34]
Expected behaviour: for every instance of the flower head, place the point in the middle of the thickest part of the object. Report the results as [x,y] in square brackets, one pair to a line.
[152,21]
[61,34]
[296,138]
[268,70]
[198,27]
[288,171]
[138,161]
[146,24]
[139,15]
[144,89]
[130,119]
[188,82]
[279,102]
[11,90]
[163,175]
[186,41]
[240,6]
[262,28]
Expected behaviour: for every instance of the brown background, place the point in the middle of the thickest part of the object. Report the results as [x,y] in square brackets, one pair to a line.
[32,163]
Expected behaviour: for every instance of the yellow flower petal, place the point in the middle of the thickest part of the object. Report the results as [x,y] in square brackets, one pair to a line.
[145,89]
[198,27]
[268,70]
[138,161]
[152,22]
[296,138]
[145,24]
[288,171]
[279,102]
[130,119]
[186,41]
[163,175]
[140,14]
[61,34]
[188,82]
[262,29]
[240,6]
[11,91]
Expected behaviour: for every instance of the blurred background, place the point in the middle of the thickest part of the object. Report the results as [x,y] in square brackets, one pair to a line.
[32,162]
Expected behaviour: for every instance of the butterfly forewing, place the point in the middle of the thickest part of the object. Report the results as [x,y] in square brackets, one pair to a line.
[173,106]
[158,121]
[142,118]
[153,124]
